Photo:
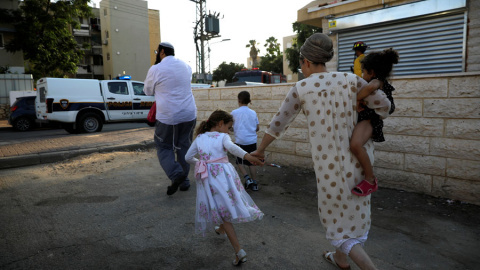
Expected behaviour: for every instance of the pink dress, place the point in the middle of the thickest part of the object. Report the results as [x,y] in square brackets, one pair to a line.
[220,193]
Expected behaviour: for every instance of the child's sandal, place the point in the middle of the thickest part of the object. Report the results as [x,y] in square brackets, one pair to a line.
[364,188]
[241,257]
[254,186]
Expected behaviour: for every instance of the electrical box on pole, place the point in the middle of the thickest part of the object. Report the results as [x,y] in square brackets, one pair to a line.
[207,26]
[212,25]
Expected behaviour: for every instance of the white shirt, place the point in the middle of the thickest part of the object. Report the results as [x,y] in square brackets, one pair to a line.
[169,81]
[245,123]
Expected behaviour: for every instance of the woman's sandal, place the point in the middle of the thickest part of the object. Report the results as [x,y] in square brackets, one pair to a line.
[241,257]
[364,188]
[328,256]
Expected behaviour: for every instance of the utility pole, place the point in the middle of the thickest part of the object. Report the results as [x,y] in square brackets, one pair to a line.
[206,27]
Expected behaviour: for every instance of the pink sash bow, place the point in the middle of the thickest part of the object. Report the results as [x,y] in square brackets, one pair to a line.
[201,166]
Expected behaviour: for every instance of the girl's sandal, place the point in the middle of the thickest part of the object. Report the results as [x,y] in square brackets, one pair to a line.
[217,231]
[364,188]
[241,257]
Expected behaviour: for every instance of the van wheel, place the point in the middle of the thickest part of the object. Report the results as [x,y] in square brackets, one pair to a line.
[70,128]
[89,123]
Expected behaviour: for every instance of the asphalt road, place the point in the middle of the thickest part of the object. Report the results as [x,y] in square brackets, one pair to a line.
[110,211]
[8,135]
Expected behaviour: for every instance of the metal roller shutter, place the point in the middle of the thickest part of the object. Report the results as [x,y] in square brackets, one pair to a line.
[426,45]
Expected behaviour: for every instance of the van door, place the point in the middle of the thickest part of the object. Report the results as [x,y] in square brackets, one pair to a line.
[118,100]
[141,102]
[40,105]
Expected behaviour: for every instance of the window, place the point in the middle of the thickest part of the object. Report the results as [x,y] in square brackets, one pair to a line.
[98,60]
[1,41]
[30,101]
[138,89]
[118,88]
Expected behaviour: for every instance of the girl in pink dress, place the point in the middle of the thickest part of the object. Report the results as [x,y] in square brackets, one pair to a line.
[221,197]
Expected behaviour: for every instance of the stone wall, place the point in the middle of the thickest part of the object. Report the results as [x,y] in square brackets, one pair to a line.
[432,140]
[4,111]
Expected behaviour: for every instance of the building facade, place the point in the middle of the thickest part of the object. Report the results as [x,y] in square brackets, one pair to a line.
[432,139]
[432,36]
[126,43]
[14,61]
[119,39]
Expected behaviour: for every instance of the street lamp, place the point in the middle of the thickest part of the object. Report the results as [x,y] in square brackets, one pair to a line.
[209,65]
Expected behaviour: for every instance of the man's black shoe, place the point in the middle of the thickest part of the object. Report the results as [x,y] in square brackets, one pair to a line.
[174,187]
[184,187]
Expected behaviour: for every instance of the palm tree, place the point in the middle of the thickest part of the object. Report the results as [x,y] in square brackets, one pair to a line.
[253,52]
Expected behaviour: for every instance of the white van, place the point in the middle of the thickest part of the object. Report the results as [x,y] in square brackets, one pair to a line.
[84,105]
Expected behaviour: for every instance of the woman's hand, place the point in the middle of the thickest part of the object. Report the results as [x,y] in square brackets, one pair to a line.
[254,160]
[259,154]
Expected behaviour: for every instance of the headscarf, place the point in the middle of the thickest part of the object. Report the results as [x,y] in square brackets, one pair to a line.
[318,48]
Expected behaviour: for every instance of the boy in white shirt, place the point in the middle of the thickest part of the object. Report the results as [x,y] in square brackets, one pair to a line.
[245,127]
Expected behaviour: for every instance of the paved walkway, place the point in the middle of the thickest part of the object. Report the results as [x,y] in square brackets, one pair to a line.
[56,149]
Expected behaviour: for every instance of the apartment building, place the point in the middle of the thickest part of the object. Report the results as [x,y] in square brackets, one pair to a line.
[119,39]
[122,35]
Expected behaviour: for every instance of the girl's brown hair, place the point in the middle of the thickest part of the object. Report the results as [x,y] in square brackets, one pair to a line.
[380,62]
[213,120]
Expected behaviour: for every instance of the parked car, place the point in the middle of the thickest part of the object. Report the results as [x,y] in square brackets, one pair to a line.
[22,116]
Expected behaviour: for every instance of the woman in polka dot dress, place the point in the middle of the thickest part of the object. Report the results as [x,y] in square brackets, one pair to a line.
[328,100]
[376,67]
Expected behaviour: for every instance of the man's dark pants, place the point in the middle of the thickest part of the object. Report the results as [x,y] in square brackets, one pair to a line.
[172,143]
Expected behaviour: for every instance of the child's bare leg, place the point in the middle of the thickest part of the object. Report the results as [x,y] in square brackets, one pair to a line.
[361,134]
[242,169]
[232,236]
[253,172]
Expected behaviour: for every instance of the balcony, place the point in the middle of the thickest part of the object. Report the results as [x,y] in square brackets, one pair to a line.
[81,33]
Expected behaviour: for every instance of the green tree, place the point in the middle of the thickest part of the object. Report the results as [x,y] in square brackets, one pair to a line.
[5,70]
[253,52]
[43,34]
[273,60]
[293,53]
[226,71]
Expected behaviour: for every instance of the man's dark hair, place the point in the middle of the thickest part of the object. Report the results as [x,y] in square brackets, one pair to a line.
[244,97]
[166,50]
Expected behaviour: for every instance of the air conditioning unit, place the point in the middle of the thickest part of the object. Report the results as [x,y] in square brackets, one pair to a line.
[105,42]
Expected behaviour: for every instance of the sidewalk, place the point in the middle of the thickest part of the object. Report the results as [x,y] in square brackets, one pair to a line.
[52,150]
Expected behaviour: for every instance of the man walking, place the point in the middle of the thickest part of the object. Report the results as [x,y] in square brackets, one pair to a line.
[170,81]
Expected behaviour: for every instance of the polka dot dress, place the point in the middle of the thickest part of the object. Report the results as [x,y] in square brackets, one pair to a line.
[328,100]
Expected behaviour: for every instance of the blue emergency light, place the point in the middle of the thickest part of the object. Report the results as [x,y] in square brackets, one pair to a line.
[125,77]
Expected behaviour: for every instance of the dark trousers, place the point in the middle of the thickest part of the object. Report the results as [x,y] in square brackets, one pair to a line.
[172,143]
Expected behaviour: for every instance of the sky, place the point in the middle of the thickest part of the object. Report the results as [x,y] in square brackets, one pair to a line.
[242,21]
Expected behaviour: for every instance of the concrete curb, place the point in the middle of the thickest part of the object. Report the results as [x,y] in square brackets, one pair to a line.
[43,158]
